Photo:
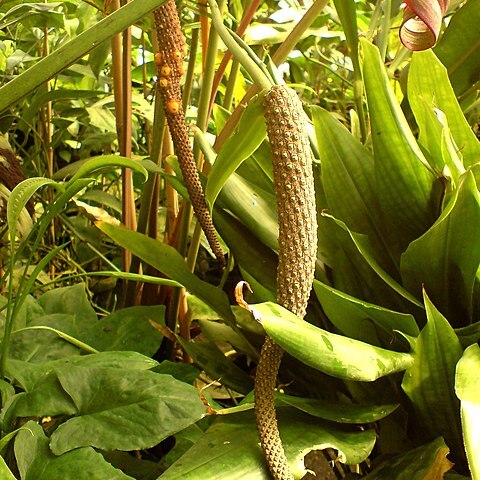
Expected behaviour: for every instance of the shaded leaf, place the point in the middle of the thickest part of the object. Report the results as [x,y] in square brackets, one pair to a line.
[427,462]
[36,462]
[123,410]
[448,255]
[429,382]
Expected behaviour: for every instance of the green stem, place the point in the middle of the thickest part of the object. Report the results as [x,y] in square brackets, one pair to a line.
[232,79]
[258,76]
[382,39]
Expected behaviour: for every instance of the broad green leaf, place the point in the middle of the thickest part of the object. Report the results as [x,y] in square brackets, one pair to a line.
[436,91]
[5,472]
[217,366]
[231,445]
[128,329]
[362,320]
[184,372]
[428,462]
[36,461]
[168,261]
[243,143]
[123,410]
[429,382]
[348,179]
[20,196]
[404,184]
[467,386]
[28,374]
[458,47]
[445,260]
[469,334]
[330,353]
[73,50]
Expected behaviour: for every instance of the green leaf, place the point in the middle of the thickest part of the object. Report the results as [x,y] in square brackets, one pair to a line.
[231,445]
[217,366]
[243,143]
[28,374]
[436,91]
[330,353]
[362,320]
[348,179]
[458,47]
[123,410]
[128,329]
[36,462]
[362,244]
[168,261]
[445,260]
[467,386]
[5,472]
[429,382]
[337,412]
[20,196]
[428,462]
[404,183]
[73,50]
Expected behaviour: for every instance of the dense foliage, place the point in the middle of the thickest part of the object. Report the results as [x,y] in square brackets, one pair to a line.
[124,352]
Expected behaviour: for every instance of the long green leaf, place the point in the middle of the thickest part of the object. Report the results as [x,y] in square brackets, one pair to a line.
[467,386]
[429,382]
[73,50]
[445,260]
[404,183]
[330,353]
[436,91]
[243,143]
[20,196]
[168,261]
[5,472]
[362,320]
[458,47]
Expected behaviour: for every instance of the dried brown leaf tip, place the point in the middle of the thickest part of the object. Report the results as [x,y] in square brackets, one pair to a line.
[422,20]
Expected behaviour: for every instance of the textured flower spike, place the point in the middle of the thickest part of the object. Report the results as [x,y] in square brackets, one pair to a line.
[169,63]
[297,250]
[422,20]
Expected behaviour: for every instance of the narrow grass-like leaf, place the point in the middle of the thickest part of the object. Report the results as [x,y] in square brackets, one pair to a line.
[168,261]
[404,183]
[467,386]
[232,443]
[428,462]
[436,91]
[19,198]
[243,143]
[330,353]
[429,382]
[36,461]
[73,50]
[445,260]
[362,320]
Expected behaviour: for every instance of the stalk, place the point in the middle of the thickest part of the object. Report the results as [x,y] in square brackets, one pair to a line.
[297,239]
[169,61]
